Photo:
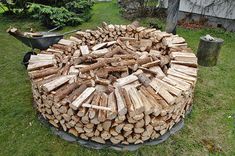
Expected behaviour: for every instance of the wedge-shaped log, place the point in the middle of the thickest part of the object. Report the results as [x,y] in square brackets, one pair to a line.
[129,104]
[186,62]
[112,104]
[103,103]
[98,46]
[122,110]
[55,83]
[95,102]
[163,92]
[159,71]
[182,54]
[39,65]
[87,105]
[185,69]
[84,50]
[168,87]
[173,72]
[176,84]
[136,100]
[148,107]
[66,42]
[181,81]
[100,52]
[126,80]
[81,98]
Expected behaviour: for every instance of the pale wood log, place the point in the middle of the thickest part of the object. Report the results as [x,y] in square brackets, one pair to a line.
[119,119]
[81,98]
[163,92]
[136,100]
[185,69]
[173,90]
[144,79]
[55,83]
[112,104]
[119,127]
[100,52]
[76,40]
[181,81]
[99,46]
[95,102]
[129,104]
[176,84]
[172,72]
[138,117]
[156,53]
[39,65]
[114,140]
[121,106]
[126,80]
[186,62]
[43,73]
[103,103]
[151,64]
[59,51]
[158,71]
[105,135]
[148,107]
[83,113]
[66,42]
[106,125]
[128,127]
[87,105]
[42,56]
[84,50]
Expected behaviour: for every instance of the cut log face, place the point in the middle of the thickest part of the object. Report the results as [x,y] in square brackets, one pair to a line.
[119,83]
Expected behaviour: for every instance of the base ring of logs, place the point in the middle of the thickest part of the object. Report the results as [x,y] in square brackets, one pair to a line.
[119,147]
[124,84]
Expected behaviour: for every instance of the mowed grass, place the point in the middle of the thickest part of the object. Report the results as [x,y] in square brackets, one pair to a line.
[208,130]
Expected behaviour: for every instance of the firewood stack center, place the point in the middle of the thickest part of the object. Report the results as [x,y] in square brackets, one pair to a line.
[124,84]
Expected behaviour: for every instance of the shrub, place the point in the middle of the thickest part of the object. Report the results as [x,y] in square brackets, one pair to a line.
[52,12]
[54,16]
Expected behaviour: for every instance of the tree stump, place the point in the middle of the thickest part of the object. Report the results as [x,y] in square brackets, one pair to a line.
[208,51]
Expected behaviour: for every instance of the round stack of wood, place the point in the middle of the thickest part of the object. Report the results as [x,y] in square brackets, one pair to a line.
[119,83]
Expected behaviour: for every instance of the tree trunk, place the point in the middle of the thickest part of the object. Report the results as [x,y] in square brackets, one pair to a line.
[172,16]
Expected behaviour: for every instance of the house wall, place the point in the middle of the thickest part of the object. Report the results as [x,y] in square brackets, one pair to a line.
[215,8]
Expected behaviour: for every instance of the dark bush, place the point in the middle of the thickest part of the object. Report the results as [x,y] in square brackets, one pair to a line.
[52,12]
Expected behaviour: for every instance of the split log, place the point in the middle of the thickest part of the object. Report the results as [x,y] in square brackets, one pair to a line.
[81,98]
[122,110]
[55,83]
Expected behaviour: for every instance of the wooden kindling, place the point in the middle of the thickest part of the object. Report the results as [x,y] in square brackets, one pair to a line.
[122,84]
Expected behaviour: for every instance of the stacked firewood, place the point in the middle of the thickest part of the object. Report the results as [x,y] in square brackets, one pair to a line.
[121,83]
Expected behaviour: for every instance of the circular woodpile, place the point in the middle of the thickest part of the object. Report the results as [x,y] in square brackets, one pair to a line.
[120,83]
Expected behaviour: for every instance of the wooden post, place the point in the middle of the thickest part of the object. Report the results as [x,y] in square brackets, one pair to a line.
[208,51]
[172,16]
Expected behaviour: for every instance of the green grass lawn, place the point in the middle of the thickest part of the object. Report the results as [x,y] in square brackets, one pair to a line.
[210,128]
